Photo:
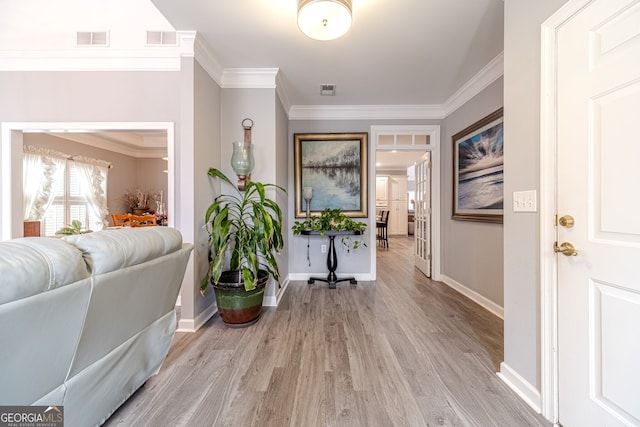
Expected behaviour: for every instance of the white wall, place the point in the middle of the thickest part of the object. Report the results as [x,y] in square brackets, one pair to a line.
[471,251]
[40,25]
[522,164]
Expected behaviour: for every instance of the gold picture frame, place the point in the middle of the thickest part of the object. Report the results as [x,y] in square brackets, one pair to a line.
[332,169]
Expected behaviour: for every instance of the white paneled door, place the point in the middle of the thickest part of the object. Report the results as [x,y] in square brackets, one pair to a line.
[598,232]
[422,216]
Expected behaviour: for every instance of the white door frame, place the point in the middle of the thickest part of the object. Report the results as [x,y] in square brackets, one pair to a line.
[11,152]
[548,191]
[433,131]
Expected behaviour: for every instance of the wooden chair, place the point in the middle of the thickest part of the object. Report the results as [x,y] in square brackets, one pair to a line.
[143,220]
[121,220]
[381,229]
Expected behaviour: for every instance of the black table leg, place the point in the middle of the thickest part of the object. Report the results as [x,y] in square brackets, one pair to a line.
[332,265]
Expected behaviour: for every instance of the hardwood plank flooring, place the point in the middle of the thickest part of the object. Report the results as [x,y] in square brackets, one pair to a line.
[401,351]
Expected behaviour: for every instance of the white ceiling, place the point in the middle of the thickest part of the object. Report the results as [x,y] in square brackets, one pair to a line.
[130,142]
[398,160]
[406,52]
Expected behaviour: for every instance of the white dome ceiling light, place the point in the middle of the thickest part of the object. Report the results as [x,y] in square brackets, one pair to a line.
[324,19]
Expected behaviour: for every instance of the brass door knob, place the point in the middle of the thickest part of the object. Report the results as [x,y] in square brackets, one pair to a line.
[567,221]
[565,248]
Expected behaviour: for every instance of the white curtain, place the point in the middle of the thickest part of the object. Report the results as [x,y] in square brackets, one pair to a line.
[42,170]
[93,177]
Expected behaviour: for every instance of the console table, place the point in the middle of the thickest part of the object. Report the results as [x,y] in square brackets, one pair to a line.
[332,258]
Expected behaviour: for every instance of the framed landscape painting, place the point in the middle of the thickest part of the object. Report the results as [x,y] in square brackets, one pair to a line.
[331,169]
[478,171]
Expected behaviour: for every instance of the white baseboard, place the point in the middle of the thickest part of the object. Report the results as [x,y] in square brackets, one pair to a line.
[521,387]
[192,325]
[282,290]
[474,296]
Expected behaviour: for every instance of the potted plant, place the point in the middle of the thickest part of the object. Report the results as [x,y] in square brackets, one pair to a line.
[333,220]
[74,228]
[249,225]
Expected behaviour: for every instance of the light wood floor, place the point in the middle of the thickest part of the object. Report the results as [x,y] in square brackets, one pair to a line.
[400,351]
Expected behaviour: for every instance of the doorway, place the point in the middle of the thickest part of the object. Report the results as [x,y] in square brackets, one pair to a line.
[13,136]
[407,145]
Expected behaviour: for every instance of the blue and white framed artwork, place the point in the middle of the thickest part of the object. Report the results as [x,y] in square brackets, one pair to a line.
[478,171]
[331,172]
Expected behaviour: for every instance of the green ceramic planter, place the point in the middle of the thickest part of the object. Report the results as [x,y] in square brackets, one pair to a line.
[238,307]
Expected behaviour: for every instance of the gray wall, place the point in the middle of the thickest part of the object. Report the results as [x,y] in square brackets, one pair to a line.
[354,262]
[151,175]
[471,251]
[207,95]
[260,106]
[282,179]
[522,164]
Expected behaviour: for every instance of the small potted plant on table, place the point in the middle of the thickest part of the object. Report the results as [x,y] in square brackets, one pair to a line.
[248,224]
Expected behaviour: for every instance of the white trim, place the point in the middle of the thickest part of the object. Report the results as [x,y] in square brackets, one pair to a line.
[434,147]
[12,151]
[192,325]
[520,386]
[282,290]
[481,300]
[487,75]
[549,377]
[249,78]
[197,48]
[282,93]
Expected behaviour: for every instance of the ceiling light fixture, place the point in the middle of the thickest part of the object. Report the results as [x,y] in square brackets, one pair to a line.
[324,19]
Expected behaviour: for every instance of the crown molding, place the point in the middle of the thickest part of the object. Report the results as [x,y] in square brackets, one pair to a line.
[282,93]
[207,60]
[365,112]
[249,78]
[487,75]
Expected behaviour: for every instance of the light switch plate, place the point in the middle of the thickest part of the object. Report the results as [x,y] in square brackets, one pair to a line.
[525,201]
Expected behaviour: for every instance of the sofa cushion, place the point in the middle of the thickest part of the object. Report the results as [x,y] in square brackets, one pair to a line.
[32,265]
[110,250]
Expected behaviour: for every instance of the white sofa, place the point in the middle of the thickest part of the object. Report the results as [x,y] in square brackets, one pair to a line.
[87,319]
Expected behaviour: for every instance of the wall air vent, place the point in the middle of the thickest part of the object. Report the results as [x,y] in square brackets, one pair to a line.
[92,38]
[327,90]
[162,38]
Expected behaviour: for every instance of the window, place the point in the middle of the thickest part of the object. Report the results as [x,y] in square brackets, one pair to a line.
[69,203]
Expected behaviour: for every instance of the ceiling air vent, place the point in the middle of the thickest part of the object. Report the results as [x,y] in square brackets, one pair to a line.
[327,90]
[162,38]
[92,38]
